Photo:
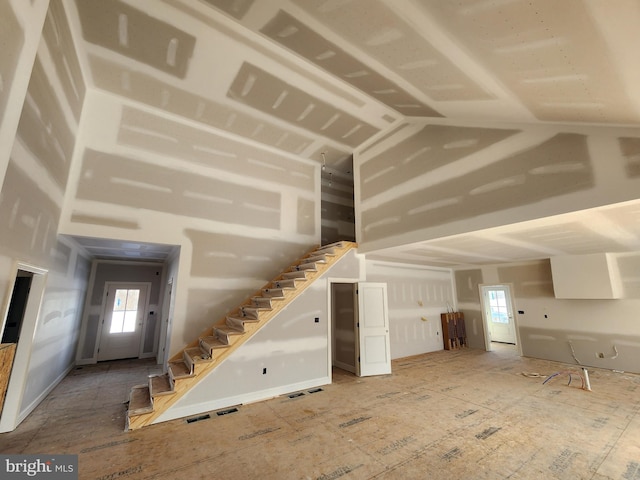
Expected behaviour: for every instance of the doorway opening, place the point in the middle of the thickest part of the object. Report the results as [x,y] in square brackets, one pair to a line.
[360,328]
[497,311]
[17,307]
[18,330]
[343,326]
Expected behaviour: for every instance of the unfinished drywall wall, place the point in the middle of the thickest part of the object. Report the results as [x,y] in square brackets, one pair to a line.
[289,353]
[435,179]
[467,283]
[20,28]
[416,298]
[30,206]
[240,212]
[597,333]
[58,328]
[118,271]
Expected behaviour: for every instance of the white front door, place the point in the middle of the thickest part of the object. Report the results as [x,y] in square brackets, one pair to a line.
[373,347]
[123,318]
[499,313]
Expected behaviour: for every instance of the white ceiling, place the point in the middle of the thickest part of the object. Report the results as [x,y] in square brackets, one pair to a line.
[312,76]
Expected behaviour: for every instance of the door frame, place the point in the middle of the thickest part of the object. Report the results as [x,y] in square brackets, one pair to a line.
[10,416]
[485,320]
[330,282]
[107,285]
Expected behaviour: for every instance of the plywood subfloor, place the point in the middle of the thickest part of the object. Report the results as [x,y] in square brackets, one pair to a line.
[446,415]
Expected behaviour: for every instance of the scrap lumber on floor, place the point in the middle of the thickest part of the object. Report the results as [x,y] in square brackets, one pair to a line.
[449,414]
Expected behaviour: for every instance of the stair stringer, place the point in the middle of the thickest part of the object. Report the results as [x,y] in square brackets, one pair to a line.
[292,347]
[184,381]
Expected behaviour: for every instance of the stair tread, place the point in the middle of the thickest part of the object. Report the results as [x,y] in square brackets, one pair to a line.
[140,400]
[198,356]
[160,385]
[196,360]
[179,370]
[214,342]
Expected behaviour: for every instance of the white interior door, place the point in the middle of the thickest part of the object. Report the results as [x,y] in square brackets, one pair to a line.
[124,312]
[499,313]
[373,330]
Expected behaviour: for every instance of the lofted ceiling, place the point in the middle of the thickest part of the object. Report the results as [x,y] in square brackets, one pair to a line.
[320,78]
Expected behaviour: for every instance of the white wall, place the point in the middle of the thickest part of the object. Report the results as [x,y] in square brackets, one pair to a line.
[292,347]
[550,327]
[417,297]
[35,177]
[20,30]
[437,178]
[238,212]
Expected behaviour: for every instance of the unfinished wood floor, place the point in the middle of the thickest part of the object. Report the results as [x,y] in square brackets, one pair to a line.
[446,415]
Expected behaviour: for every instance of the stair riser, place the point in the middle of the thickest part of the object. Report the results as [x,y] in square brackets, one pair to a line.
[251,312]
[229,337]
[262,302]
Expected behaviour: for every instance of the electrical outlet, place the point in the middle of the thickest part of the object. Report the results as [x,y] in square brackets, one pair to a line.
[600,355]
[264,371]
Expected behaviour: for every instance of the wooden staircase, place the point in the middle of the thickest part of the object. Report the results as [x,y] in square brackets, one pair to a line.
[147,402]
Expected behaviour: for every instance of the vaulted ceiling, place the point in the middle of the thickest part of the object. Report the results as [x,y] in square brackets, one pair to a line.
[319,78]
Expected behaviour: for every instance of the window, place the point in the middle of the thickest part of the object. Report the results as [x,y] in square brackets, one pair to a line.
[125,311]
[498,305]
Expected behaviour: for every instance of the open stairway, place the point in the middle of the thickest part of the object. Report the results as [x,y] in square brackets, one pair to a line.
[184,370]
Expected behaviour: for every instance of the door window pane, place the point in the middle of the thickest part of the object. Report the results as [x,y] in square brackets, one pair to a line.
[498,306]
[125,311]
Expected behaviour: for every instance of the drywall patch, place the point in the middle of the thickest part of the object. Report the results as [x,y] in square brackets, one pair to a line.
[237,9]
[529,281]
[383,35]
[225,255]
[130,32]
[114,179]
[306,217]
[28,216]
[115,78]
[153,133]
[268,94]
[57,35]
[43,127]
[467,282]
[307,43]
[12,41]
[520,179]
[426,150]
[106,221]
[630,147]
